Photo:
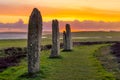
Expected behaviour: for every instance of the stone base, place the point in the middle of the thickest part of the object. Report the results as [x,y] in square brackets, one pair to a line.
[31,75]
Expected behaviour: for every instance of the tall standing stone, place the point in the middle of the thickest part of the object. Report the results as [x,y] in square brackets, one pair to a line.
[68,38]
[55,40]
[34,41]
[64,41]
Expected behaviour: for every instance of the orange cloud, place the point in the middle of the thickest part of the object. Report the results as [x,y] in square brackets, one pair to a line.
[13,13]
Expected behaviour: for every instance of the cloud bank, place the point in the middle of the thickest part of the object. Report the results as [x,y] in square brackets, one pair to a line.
[75,26]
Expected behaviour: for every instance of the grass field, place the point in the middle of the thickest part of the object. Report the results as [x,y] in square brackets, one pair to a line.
[79,64]
[96,36]
[77,37]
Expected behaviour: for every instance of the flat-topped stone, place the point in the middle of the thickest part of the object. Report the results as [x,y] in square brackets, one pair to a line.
[55,39]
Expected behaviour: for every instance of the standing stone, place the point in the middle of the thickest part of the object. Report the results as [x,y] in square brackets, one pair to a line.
[34,41]
[68,43]
[55,40]
[64,41]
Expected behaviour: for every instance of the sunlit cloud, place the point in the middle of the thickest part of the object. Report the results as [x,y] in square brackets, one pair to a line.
[76,25]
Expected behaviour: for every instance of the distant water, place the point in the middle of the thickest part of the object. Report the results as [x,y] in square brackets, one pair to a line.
[14,36]
[24,36]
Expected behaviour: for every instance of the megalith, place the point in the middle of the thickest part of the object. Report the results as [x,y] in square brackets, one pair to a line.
[67,38]
[55,40]
[34,41]
[64,41]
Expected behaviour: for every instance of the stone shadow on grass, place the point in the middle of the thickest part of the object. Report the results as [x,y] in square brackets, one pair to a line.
[67,50]
[39,74]
[55,57]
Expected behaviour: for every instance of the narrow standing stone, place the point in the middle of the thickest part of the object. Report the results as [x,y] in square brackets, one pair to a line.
[34,41]
[64,40]
[55,40]
[68,38]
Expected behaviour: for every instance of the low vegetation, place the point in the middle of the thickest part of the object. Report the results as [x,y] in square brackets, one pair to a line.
[104,36]
[108,57]
[80,64]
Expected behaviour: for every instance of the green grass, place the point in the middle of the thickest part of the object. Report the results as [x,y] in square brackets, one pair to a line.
[22,42]
[19,43]
[96,33]
[80,64]
[103,36]
[13,43]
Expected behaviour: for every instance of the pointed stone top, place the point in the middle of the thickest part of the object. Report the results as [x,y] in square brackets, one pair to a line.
[35,12]
[35,9]
[35,16]
[67,25]
[63,31]
[55,22]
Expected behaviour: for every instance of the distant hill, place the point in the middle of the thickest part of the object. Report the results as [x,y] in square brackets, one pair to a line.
[49,32]
[44,32]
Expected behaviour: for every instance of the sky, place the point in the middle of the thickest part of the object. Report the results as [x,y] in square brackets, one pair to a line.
[108,11]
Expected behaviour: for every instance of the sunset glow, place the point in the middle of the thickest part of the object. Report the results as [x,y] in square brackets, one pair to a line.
[100,10]
[63,14]
[63,10]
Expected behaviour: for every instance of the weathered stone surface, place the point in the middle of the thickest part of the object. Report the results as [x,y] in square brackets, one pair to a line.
[55,39]
[34,41]
[68,38]
[64,41]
